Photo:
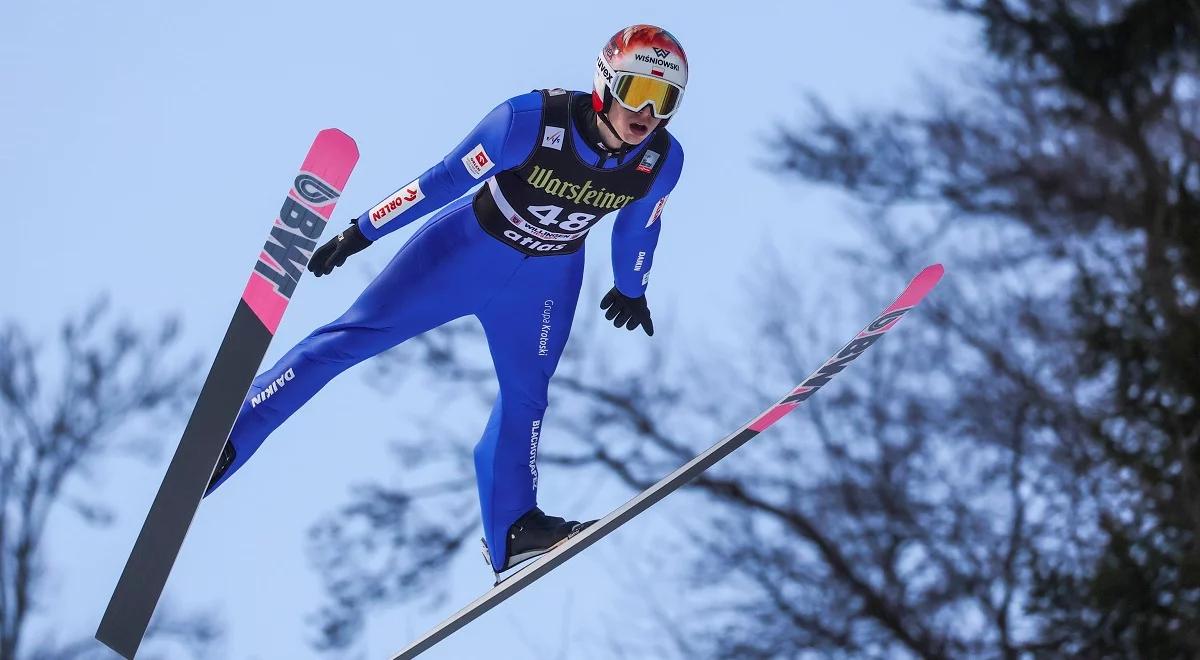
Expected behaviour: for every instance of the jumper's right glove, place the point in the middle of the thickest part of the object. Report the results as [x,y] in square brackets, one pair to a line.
[337,250]
[626,311]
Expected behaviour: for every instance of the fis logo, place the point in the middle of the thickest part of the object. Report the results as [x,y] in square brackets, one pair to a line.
[553,137]
[294,235]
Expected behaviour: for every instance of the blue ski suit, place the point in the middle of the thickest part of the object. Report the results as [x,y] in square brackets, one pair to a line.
[523,294]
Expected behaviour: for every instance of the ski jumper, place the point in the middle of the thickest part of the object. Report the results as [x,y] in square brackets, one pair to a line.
[511,254]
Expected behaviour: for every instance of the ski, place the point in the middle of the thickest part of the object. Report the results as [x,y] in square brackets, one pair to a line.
[916,290]
[305,212]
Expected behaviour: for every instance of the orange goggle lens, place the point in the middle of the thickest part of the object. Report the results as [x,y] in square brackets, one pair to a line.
[634,92]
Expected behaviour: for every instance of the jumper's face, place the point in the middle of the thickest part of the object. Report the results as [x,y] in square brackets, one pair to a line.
[632,127]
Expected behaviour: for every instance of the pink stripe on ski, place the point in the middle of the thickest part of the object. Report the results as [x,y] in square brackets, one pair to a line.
[331,158]
[914,293]
[266,302]
[773,415]
[266,259]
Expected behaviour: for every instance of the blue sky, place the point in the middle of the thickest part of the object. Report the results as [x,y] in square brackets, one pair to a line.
[146,147]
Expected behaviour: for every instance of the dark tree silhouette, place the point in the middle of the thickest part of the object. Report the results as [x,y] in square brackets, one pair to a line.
[1013,474]
[61,412]
[1069,187]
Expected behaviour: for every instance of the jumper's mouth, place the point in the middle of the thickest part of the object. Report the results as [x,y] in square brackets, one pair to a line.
[639,129]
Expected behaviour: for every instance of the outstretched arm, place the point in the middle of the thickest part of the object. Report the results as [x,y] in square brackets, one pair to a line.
[504,139]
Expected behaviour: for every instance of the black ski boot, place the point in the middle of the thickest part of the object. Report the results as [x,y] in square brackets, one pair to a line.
[534,534]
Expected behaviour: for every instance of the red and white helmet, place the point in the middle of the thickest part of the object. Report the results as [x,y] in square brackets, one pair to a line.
[641,65]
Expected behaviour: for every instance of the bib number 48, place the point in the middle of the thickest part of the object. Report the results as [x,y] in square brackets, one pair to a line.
[548,215]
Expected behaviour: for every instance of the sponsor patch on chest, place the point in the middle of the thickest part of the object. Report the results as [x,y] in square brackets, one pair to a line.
[649,159]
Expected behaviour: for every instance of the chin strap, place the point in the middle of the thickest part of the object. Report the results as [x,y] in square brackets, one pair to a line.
[611,129]
[597,107]
[618,153]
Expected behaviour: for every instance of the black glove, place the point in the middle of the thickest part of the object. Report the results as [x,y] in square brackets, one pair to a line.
[626,311]
[337,250]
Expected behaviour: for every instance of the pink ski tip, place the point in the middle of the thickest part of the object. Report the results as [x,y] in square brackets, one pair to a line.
[328,163]
[332,155]
[334,137]
[920,285]
[929,277]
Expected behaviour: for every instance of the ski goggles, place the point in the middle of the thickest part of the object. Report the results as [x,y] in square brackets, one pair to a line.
[635,91]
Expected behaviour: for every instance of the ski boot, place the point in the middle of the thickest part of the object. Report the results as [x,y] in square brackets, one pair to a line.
[532,535]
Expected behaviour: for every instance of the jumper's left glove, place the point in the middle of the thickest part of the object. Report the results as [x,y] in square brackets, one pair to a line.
[626,311]
[335,252]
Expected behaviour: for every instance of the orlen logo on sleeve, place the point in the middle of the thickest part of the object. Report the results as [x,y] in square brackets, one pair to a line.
[399,202]
[477,161]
